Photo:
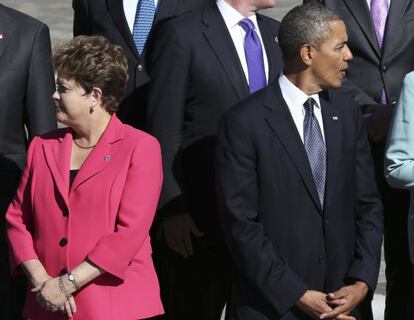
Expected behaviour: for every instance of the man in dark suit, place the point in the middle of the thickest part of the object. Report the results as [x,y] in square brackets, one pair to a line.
[115,20]
[27,85]
[199,70]
[299,205]
[374,80]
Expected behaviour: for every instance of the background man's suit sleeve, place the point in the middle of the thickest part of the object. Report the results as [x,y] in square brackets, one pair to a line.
[81,23]
[39,110]
[169,68]
[252,251]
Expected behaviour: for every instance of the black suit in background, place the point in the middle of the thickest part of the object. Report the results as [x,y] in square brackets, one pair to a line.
[27,85]
[197,75]
[107,18]
[281,241]
[372,69]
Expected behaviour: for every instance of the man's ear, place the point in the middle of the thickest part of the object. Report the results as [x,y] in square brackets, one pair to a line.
[306,54]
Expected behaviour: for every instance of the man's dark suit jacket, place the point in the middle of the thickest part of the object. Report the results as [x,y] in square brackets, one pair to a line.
[282,242]
[197,76]
[373,67]
[107,18]
[27,85]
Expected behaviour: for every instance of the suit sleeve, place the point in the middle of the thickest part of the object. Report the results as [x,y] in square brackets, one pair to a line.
[368,213]
[39,107]
[114,252]
[81,23]
[19,218]
[252,251]
[399,155]
[169,70]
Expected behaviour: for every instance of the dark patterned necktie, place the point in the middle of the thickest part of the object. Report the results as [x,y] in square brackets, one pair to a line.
[315,148]
[254,56]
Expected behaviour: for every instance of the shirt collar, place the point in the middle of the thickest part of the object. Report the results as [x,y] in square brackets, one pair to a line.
[232,17]
[293,95]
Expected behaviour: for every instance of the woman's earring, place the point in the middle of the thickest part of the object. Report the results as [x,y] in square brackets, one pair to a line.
[90,110]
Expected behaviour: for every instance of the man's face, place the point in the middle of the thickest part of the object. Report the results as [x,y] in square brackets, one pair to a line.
[261,4]
[330,61]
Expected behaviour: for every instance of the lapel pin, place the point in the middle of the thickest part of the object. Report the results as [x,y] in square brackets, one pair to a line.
[334,118]
[2,34]
[276,39]
[107,157]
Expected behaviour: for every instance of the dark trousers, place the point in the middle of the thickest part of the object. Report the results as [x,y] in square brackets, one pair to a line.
[398,271]
[196,288]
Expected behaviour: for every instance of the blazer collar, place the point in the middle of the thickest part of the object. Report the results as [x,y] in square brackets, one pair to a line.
[282,124]
[58,157]
[218,37]
[359,9]
[116,10]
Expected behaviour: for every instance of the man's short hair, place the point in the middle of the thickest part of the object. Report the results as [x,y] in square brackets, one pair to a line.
[91,61]
[305,24]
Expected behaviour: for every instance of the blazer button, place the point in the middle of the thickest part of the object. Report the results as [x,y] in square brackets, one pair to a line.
[326,221]
[140,67]
[322,259]
[384,68]
[63,271]
[65,212]
[63,242]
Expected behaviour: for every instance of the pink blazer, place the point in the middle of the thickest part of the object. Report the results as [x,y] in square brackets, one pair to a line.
[105,217]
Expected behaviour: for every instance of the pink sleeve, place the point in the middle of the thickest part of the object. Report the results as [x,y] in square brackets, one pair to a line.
[19,218]
[114,252]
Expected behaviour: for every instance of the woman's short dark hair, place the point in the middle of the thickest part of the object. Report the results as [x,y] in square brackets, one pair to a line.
[91,61]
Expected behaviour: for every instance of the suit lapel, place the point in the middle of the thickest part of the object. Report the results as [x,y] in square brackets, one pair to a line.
[58,160]
[5,30]
[217,35]
[101,155]
[359,9]
[333,137]
[116,10]
[269,44]
[165,9]
[396,14]
[282,124]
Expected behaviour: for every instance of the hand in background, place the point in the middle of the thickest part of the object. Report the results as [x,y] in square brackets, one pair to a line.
[178,230]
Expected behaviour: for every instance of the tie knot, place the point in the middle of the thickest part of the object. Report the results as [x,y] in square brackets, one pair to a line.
[309,105]
[246,24]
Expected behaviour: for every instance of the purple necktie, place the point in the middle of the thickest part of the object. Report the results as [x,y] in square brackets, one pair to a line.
[254,56]
[379,12]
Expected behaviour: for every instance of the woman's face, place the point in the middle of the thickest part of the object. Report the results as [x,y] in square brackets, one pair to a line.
[71,101]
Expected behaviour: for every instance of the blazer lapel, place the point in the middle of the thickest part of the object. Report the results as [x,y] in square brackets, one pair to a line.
[5,18]
[101,155]
[58,160]
[282,124]
[359,9]
[391,38]
[165,9]
[219,38]
[333,137]
[269,43]
[116,10]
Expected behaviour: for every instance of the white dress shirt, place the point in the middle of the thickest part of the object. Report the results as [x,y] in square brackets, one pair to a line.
[130,8]
[295,98]
[232,18]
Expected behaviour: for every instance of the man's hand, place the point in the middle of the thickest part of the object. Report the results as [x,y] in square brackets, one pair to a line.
[313,303]
[177,233]
[345,299]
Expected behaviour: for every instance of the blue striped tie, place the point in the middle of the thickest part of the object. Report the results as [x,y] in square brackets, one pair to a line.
[144,17]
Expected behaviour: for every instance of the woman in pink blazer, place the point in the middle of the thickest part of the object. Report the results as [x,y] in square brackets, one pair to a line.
[78,226]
